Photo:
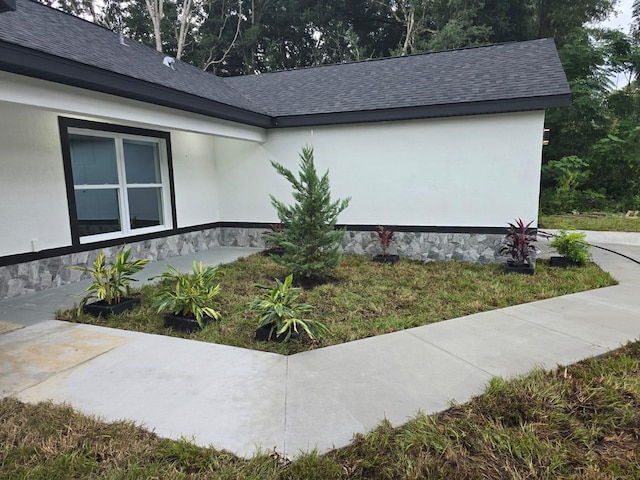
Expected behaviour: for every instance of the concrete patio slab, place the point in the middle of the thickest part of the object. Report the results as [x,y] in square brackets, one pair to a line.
[337,391]
[214,394]
[503,345]
[33,355]
[590,325]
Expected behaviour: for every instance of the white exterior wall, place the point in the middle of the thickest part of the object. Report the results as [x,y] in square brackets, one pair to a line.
[195,178]
[465,171]
[33,197]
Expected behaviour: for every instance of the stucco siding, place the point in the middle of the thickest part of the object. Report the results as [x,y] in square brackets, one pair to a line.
[195,179]
[33,199]
[33,196]
[465,171]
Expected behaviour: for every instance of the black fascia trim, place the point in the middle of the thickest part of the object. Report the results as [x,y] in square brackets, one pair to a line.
[64,123]
[430,111]
[36,64]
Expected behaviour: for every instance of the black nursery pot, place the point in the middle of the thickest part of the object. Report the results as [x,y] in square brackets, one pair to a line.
[103,309]
[526,269]
[184,324]
[562,262]
[264,334]
[391,259]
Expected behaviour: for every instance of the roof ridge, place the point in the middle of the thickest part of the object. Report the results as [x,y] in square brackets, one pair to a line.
[397,57]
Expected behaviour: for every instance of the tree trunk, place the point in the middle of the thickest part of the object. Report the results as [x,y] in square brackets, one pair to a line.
[156,12]
[185,20]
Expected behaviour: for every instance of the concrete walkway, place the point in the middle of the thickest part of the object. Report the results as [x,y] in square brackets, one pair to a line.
[242,400]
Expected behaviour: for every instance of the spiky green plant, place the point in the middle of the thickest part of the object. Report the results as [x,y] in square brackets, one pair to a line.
[111,282]
[189,294]
[278,310]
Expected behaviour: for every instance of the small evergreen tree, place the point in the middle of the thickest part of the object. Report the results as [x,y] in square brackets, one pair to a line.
[309,238]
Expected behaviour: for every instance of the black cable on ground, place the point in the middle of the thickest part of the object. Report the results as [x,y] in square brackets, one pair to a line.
[549,235]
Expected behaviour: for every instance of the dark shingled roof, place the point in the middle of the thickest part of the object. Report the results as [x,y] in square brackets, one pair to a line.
[46,43]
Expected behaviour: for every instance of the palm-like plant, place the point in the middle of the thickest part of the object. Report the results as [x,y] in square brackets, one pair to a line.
[278,310]
[111,282]
[189,294]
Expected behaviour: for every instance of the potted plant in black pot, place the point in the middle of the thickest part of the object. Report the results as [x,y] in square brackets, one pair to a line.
[280,317]
[111,287]
[188,296]
[519,248]
[572,247]
[272,246]
[385,237]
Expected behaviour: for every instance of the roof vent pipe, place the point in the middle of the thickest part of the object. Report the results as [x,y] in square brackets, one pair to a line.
[169,62]
[122,39]
[7,6]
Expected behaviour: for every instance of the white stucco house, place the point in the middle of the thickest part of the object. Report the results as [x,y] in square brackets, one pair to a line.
[103,144]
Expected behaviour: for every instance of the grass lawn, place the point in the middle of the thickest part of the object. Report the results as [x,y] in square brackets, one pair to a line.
[581,422]
[365,299]
[602,222]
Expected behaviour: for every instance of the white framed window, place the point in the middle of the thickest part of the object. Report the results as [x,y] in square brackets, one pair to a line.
[120,183]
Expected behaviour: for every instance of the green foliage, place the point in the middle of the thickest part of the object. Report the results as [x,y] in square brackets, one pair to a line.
[111,282]
[278,310]
[309,238]
[189,294]
[572,246]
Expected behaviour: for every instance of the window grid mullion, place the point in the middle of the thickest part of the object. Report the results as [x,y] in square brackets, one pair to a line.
[122,178]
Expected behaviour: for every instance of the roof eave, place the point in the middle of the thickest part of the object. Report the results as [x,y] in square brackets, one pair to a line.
[36,64]
[428,111]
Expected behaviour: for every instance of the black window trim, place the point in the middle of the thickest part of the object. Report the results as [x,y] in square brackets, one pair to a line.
[64,123]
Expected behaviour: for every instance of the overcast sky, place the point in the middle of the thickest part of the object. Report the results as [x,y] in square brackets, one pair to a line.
[623,19]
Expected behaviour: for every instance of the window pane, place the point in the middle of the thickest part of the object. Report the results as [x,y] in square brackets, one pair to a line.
[93,160]
[98,211]
[141,161]
[145,207]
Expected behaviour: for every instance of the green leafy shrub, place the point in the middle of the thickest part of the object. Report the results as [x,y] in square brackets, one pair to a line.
[572,246]
[111,282]
[278,310]
[189,294]
[309,238]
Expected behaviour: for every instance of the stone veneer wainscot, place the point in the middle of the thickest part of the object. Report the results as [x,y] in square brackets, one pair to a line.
[28,277]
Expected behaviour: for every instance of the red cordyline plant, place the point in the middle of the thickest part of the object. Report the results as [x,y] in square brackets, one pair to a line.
[385,235]
[518,244]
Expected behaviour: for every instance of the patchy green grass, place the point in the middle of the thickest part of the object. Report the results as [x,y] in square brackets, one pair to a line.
[365,298]
[602,222]
[578,422]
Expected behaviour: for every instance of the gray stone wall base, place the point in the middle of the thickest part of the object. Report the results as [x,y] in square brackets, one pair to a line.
[464,247]
[28,277]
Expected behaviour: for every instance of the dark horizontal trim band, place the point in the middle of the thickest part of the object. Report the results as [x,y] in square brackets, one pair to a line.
[56,252]
[32,63]
[427,111]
